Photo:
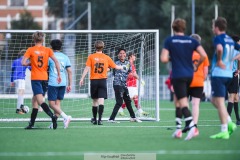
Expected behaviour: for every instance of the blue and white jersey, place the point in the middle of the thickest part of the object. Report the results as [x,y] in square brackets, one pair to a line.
[120,76]
[180,51]
[64,63]
[18,70]
[228,52]
[235,62]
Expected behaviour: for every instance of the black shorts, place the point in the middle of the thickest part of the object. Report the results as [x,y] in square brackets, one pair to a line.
[195,92]
[234,85]
[181,86]
[98,88]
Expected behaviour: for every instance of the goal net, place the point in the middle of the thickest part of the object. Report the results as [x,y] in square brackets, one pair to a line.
[78,45]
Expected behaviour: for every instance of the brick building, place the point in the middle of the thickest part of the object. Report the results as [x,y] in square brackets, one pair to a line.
[11,9]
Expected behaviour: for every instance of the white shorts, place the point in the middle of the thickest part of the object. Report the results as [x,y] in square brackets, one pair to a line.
[19,84]
[133,91]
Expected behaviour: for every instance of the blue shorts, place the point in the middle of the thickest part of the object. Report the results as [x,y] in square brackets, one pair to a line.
[39,87]
[56,93]
[219,86]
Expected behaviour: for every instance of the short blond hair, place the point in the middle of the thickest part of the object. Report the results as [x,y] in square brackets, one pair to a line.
[99,45]
[197,37]
[38,37]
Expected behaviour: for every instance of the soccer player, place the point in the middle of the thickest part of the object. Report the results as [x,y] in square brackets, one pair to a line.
[180,49]
[132,87]
[38,56]
[18,79]
[196,86]
[233,88]
[120,87]
[222,75]
[98,64]
[56,90]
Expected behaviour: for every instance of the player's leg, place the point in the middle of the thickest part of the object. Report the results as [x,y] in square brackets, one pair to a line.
[128,101]
[20,88]
[218,100]
[236,110]
[178,119]
[33,114]
[94,95]
[118,90]
[102,94]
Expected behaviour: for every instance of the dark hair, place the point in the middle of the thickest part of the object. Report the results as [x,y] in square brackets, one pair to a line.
[235,38]
[197,37]
[131,54]
[21,53]
[179,25]
[121,49]
[221,23]
[56,44]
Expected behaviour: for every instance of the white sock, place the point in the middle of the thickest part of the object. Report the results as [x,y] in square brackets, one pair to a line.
[20,101]
[140,110]
[224,127]
[120,109]
[64,115]
[229,119]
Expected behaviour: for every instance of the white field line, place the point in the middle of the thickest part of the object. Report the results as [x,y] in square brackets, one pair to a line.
[109,125]
[159,152]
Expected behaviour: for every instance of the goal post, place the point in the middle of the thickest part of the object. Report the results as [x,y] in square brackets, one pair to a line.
[77,45]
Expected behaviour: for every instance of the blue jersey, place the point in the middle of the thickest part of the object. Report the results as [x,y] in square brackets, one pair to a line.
[18,70]
[180,51]
[64,63]
[228,52]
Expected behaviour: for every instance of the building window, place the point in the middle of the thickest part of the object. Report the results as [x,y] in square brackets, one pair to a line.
[17,3]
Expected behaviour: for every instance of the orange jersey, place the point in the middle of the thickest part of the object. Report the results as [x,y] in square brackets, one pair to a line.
[198,77]
[99,64]
[38,56]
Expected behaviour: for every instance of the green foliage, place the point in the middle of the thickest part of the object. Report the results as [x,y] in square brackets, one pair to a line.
[26,22]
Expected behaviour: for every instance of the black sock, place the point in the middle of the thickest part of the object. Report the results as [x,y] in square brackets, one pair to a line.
[33,116]
[47,109]
[178,119]
[187,116]
[236,111]
[94,112]
[100,112]
[229,108]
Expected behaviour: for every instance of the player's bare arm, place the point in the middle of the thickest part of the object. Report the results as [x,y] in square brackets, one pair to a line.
[164,56]
[86,69]
[25,62]
[202,54]
[57,67]
[219,50]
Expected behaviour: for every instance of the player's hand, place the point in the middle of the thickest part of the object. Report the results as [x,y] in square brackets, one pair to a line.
[221,64]
[69,88]
[81,82]
[59,79]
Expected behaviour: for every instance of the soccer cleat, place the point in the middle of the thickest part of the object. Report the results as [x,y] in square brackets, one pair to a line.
[22,109]
[66,122]
[121,113]
[193,132]
[50,126]
[54,121]
[30,126]
[100,123]
[135,120]
[113,121]
[177,134]
[19,111]
[221,135]
[231,127]
[93,121]
[144,113]
[238,123]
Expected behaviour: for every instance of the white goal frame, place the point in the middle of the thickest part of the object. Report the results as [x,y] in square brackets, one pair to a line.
[90,32]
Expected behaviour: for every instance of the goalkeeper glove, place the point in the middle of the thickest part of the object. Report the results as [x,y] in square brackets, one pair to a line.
[142,83]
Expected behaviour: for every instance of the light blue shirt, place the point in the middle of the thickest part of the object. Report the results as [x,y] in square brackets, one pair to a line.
[228,50]
[64,63]
[235,62]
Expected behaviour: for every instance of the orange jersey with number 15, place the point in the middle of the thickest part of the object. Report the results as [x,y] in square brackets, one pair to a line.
[39,56]
[99,64]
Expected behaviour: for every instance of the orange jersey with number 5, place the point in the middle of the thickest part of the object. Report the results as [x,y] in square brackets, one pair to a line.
[99,64]
[39,56]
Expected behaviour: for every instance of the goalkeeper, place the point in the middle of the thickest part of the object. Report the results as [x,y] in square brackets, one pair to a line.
[120,87]
[132,87]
